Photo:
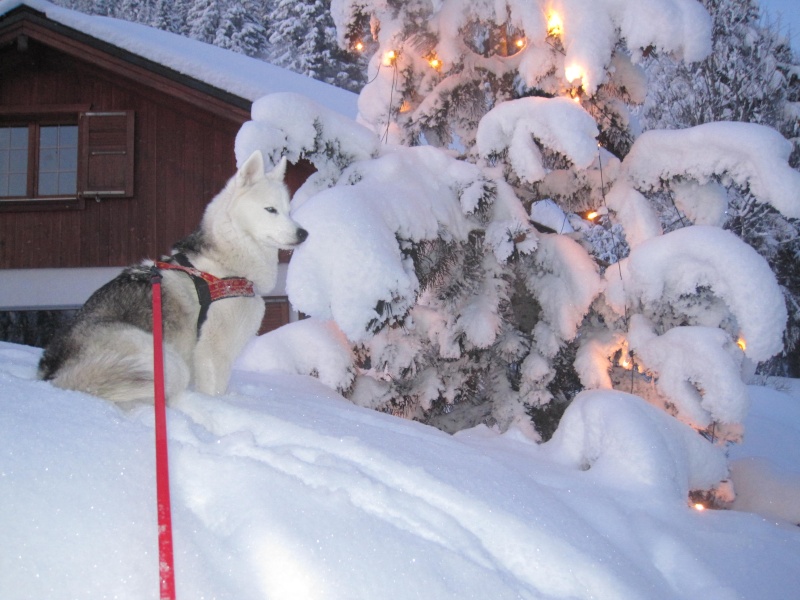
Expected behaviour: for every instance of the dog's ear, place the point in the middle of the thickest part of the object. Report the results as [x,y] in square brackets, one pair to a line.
[251,171]
[279,171]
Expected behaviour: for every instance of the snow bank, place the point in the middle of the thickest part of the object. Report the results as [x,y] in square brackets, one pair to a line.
[621,439]
[765,481]
[284,490]
[306,347]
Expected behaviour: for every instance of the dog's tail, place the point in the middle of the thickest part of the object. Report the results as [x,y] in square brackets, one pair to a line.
[121,368]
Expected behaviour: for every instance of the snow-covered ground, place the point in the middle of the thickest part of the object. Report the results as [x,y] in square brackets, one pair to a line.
[284,490]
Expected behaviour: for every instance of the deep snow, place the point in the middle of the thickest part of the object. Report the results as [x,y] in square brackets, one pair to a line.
[282,489]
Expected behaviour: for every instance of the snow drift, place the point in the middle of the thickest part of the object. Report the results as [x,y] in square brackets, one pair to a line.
[283,490]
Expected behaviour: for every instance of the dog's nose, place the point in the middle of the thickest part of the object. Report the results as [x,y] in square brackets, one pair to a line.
[302,234]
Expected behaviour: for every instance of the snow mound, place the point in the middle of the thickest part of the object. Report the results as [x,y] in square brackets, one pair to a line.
[306,347]
[283,490]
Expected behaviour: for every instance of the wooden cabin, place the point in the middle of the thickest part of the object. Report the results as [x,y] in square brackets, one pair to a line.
[108,156]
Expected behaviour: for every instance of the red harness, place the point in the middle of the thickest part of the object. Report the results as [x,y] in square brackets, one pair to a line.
[209,288]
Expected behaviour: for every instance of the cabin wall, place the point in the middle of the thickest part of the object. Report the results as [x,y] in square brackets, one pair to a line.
[183,156]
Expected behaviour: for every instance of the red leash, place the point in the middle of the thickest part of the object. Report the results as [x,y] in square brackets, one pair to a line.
[166,563]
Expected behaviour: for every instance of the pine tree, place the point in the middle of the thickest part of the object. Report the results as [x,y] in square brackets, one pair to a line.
[203,19]
[750,76]
[512,91]
[237,31]
[167,15]
[303,39]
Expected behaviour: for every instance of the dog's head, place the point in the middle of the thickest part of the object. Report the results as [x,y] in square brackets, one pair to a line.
[261,204]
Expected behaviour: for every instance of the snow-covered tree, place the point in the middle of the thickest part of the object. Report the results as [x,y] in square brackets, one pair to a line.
[751,75]
[169,15]
[303,39]
[203,19]
[466,272]
[238,31]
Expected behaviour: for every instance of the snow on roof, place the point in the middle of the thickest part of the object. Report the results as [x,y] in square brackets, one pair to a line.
[240,75]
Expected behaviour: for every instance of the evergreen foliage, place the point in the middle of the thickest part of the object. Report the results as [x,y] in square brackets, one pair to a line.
[752,76]
[462,81]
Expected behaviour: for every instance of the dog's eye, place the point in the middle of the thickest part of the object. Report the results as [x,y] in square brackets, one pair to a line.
[271,210]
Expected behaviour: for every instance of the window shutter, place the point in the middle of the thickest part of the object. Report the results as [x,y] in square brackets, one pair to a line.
[106,169]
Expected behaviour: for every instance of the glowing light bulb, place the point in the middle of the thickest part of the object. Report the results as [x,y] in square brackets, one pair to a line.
[358,46]
[699,506]
[389,58]
[435,63]
[555,26]
[520,43]
[592,215]
[573,72]
[742,344]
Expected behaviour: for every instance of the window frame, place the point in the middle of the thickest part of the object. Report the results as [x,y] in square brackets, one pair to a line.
[96,152]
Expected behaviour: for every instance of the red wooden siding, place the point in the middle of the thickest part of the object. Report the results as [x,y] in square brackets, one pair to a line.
[183,155]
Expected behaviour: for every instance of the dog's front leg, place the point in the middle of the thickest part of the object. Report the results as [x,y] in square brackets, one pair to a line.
[230,324]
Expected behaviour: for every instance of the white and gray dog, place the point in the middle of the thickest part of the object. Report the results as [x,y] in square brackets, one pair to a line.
[211,296]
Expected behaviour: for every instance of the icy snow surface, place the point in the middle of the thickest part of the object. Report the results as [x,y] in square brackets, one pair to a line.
[238,74]
[281,489]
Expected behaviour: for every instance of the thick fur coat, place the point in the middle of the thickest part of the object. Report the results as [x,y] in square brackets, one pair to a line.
[107,350]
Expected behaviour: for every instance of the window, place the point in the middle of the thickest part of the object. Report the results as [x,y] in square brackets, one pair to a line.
[51,151]
[13,161]
[58,160]
[52,155]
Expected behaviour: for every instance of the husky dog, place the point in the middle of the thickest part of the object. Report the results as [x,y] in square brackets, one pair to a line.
[107,350]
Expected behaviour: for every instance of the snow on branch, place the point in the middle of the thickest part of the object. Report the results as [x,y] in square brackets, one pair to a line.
[592,29]
[293,125]
[565,283]
[355,267]
[306,347]
[557,123]
[697,368]
[668,269]
[749,155]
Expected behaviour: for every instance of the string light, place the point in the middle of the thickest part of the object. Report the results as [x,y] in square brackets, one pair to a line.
[555,26]
[742,344]
[573,72]
[699,506]
[520,43]
[434,61]
[592,215]
[358,46]
[389,58]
